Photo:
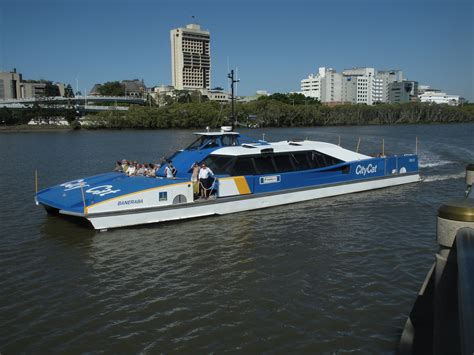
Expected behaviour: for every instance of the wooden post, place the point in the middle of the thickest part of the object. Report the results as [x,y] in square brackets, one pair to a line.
[383,147]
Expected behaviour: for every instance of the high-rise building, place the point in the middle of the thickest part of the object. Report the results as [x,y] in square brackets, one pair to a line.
[368,85]
[10,85]
[402,91]
[326,86]
[190,58]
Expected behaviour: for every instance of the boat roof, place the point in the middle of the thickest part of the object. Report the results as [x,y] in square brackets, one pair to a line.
[292,146]
[217,133]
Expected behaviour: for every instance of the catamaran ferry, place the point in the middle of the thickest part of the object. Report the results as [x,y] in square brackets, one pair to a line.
[248,174]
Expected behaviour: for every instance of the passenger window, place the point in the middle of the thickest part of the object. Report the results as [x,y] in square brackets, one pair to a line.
[229,141]
[264,165]
[301,161]
[283,163]
[211,143]
[243,166]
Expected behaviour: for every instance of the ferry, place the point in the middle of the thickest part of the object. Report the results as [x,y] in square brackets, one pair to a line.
[249,174]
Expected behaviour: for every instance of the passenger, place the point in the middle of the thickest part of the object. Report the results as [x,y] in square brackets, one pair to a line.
[195,178]
[152,170]
[132,169]
[125,166]
[118,166]
[140,170]
[170,170]
[205,180]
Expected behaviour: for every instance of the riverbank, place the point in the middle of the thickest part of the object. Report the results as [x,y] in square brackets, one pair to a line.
[30,128]
[260,113]
[272,113]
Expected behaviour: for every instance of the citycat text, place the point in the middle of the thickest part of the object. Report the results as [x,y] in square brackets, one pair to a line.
[363,170]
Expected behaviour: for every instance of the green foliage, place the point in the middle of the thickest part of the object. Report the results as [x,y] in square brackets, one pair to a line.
[111,88]
[68,92]
[275,113]
[51,90]
[293,99]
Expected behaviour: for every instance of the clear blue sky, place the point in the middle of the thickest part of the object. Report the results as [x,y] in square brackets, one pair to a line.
[274,44]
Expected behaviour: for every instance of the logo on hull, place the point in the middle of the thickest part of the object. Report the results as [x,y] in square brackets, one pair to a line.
[364,170]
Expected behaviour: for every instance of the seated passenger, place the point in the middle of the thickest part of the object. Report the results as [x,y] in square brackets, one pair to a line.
[118,166]
[132,169]
[151,170]
[125,165]
[140,170]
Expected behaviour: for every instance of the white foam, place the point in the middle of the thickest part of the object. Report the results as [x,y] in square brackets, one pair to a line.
[444,177]
[431,164]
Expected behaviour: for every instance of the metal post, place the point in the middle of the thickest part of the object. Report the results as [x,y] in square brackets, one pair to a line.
[383,147]
[83,198]
[358,144]
[232,82]
[339,141]
[416,145]
[36,182]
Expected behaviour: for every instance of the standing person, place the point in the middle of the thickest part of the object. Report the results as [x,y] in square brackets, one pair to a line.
[195,178]
[205,180]
[170,170]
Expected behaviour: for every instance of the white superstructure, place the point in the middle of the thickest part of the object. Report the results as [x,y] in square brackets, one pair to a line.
[293,146]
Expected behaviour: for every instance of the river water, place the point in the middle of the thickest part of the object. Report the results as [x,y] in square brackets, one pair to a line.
[333,275]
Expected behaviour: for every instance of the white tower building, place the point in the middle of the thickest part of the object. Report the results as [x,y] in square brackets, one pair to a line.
[190,58]
[326,86]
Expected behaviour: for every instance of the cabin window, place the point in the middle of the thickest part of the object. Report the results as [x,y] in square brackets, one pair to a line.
[319,160]
[244,166]
[219,164]
[300,160]
[229,140]
[283,163]
[264,164]
[196,144]
[211,143]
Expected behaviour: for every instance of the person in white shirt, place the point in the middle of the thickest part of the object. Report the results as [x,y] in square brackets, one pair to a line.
[132,168]
[170,170]
[205,179]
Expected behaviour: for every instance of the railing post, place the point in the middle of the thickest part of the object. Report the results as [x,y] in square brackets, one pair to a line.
[452,217]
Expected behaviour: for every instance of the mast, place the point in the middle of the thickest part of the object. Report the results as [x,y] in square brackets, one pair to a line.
[232,82]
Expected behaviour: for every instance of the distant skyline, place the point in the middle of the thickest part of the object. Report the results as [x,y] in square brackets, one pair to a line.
[272,44]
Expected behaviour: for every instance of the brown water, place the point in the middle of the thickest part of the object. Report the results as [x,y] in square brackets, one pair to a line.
[332,275]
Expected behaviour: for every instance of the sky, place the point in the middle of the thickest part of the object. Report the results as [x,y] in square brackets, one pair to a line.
[272,45]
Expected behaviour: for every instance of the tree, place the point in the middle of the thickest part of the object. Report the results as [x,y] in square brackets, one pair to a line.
[111,88]
[51,90]
[68,92]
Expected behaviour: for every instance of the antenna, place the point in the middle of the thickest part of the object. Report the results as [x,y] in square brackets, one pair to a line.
[232,83]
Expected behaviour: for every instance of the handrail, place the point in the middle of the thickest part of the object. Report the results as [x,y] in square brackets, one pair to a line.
[465,263]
